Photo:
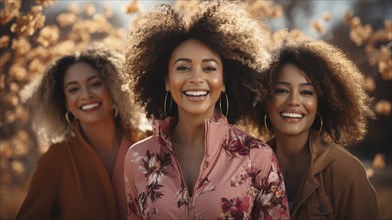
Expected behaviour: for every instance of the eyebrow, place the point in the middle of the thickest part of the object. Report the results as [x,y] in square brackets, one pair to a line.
[286,83]
[88,79]
[190,60]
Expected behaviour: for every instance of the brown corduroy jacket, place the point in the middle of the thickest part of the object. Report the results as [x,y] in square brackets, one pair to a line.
[71,182]
[335,186]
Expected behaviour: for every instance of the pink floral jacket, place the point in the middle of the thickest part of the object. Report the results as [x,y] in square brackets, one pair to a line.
[239,177]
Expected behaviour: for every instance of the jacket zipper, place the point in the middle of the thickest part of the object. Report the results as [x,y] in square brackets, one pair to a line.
[190,211]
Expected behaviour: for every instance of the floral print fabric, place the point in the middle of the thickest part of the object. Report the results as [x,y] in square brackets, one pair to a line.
[239,178]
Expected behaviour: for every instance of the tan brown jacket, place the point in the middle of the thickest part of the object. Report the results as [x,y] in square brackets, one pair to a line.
[71,182]
[335,187]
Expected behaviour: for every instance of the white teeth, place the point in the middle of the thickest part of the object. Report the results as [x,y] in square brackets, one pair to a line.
[89,106]
[196,93]
[292,115]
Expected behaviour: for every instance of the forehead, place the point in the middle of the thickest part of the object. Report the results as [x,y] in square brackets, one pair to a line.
[291,73]
[79,72]
[194,49]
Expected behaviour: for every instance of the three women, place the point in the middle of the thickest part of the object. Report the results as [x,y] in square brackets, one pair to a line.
[196,78]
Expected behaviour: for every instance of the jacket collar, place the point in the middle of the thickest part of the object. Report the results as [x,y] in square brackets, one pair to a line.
[320,150]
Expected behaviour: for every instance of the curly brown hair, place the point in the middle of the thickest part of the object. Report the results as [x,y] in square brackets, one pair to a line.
[342,101]
[48,100]
[225,27]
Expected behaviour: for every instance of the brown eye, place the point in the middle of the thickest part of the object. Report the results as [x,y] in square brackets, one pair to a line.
[280,91]
[96,84]
[210,69]
[307,92]
[182,68]
[72,90]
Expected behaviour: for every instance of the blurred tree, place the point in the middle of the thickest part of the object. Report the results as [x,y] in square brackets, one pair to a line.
[35,33]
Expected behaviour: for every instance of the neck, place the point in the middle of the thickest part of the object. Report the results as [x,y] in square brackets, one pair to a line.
[289,149]
[102,136]
[189,130]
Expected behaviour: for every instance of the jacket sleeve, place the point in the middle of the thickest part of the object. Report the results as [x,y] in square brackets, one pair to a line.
[271,202]
[133,209]
[357,198]
[40,201]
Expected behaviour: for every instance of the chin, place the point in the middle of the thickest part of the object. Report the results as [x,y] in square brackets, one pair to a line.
[91,121]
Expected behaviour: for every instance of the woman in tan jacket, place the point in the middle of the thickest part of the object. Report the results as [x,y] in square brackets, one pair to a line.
[80,109]
[315,104]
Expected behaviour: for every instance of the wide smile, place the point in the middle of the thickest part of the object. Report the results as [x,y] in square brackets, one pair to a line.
[292,115]
[196,93]
[90,107]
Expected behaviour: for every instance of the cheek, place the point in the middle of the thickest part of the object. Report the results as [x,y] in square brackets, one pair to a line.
[174,81]
[70,100]
[311,106]
[106,94]
[276,102]
[217,83]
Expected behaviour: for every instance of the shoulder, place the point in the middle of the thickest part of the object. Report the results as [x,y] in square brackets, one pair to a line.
[56,152]
[142,146]
[329,154]
[255,146]
[342,163]
[342,157]
[51,163]
[238,133]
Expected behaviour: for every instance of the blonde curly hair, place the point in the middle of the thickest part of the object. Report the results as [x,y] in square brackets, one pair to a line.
[226,27]
[48,102]
[343,102]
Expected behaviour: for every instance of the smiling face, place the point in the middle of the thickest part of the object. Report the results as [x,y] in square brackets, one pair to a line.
[294,105]
[195,78]
[86,94]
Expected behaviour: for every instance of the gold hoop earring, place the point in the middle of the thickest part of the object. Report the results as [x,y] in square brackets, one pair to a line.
[67,117]
[164,104]
[115,111]
[265,123]
[321,123]
[227,104]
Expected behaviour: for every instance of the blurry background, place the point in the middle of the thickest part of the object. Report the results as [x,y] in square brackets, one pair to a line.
[36,32]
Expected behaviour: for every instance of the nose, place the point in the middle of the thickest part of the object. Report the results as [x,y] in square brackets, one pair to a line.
[86,93]
[294,99]
[197,76]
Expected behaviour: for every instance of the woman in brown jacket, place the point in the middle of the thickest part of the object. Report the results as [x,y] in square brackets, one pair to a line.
[81,110]
[315,104]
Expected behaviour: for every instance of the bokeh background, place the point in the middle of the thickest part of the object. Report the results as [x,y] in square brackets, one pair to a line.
[34,33]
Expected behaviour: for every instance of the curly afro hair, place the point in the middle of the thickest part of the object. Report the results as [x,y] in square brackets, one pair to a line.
[342,101]
[225,27]
[48,100]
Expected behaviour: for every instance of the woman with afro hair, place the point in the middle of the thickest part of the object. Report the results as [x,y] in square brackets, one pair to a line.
[194,79]
[80,109]
[315,104]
